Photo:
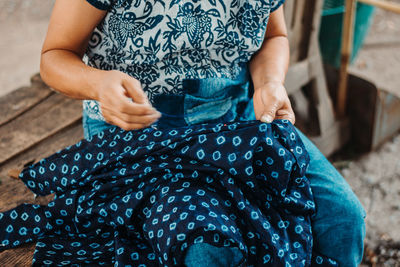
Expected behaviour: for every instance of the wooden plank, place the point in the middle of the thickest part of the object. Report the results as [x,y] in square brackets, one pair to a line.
[306,71]
[13,192]
[387,119]
[68,136]
[346,50]
[21,100]
[296,28]
[44,120]
[335,137]
[386,5]
[297,76]
[321,99]
[20,257]
[289,11]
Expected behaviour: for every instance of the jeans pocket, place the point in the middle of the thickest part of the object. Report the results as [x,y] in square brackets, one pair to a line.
[213,98]
[198,110]
[92,127]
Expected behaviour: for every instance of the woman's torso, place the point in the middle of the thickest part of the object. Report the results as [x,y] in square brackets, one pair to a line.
[190,56]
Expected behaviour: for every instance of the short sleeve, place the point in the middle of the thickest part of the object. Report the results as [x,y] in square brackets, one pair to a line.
[101,4]
[275,4]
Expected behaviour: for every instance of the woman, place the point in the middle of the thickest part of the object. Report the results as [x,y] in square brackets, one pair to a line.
[173,63]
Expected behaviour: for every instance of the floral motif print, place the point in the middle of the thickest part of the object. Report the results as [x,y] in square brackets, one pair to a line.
[161,43]
[151,71]
[126,26]
[195,23]
[248,21]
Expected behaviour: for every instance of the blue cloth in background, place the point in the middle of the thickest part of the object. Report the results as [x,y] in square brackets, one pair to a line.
[144,196]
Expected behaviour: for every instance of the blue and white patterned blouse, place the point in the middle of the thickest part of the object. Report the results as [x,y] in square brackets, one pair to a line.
[190,56]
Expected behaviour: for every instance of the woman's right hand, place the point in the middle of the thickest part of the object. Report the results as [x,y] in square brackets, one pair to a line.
[123,102]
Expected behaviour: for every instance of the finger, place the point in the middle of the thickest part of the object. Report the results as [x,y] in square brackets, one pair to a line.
[284,114]
[258,106]
[287,107]
[125,105]
[139,119]
[271,105]
[124,125]
[134,90]
[144,119]
[131,108]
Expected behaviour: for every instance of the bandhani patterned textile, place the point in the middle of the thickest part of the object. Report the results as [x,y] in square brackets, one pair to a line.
[140,198]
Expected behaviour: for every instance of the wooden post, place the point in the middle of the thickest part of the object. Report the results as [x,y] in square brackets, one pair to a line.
[347,47]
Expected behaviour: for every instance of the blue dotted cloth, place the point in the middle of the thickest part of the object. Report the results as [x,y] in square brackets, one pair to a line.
[141,198]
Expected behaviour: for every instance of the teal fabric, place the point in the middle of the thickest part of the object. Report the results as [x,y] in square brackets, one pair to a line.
[204,254]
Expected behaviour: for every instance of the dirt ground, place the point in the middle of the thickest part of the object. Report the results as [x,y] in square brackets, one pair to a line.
[375,177]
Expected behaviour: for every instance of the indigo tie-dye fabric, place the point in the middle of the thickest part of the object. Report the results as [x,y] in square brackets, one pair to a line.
[140,198]
[166,43]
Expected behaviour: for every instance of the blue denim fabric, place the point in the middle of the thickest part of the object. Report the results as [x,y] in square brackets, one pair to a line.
[338,224]
[203,254]
[206,100]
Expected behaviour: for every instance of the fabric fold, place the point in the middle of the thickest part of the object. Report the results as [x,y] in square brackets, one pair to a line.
[144,196]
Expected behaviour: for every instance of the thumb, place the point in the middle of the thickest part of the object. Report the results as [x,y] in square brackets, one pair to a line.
[271,106]
[134,90]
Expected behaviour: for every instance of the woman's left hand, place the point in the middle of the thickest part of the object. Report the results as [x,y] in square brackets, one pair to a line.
[272,102]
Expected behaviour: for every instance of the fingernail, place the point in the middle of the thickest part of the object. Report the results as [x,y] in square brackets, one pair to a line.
[266,118]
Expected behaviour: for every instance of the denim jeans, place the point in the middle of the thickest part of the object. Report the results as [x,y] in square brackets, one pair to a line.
[338,224]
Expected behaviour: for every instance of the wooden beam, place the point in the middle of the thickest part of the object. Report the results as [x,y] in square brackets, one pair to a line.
[387,5]
[44,120]
[347,47]
[21,100]
[298,75]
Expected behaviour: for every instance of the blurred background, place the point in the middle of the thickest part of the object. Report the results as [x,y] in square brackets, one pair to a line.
[368,156]
[23,26]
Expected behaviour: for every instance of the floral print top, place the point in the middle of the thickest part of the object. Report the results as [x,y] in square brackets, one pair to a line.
[162,43]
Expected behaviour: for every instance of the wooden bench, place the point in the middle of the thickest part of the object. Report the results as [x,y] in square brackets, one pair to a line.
[306,82]
[35,122]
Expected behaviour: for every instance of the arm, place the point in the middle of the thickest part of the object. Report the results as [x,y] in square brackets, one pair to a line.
[71,25]
[268,68]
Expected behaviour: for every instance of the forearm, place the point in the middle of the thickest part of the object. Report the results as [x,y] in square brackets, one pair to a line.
[271,62]
[66,73]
